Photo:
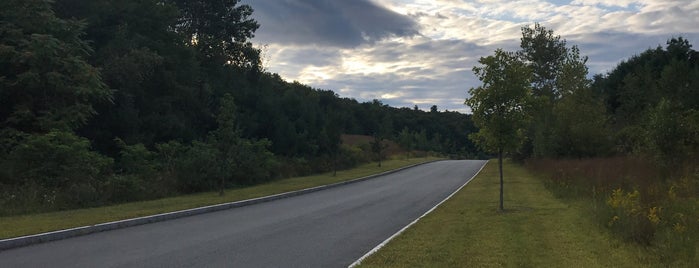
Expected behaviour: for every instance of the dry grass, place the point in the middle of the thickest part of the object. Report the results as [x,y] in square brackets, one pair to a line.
[605,174]
[636,200]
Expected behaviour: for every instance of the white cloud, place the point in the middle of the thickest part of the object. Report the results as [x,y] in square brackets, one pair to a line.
[434,67]
[608,3]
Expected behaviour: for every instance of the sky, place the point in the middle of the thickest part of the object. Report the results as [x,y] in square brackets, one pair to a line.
[422,52]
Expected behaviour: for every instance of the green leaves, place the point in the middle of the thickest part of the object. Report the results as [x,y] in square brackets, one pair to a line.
[220,31]
[57,155]
[45,82]
[500,105]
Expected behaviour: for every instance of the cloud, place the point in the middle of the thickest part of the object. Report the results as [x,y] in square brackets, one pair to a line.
[328,22]
[425,72]
[608,3]
[407,52]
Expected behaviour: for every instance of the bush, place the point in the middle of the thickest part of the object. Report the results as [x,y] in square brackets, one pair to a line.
[350,156]
[136,159]
[254,163]
[124,188]
[57,159]
[194,168]
[54,170]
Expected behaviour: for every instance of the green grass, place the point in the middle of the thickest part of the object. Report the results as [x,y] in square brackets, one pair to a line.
[14,226]
[536,230]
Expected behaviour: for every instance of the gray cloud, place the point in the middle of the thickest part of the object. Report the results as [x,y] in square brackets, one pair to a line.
[444,82]
[349,46]
[328,22]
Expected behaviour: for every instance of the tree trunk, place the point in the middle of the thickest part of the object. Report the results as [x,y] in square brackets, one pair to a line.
[222,186]
[334,164]
[502,208]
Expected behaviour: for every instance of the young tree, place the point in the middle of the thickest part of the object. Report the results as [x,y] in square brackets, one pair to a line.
[405,139]
[499,106]
[227,140]
[244,161]
[377,147]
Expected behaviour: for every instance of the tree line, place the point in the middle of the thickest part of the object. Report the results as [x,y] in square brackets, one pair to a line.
[646,104]
[540,102]
[111,101]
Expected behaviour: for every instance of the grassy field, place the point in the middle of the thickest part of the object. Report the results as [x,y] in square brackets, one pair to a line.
[14,226]
[536,230]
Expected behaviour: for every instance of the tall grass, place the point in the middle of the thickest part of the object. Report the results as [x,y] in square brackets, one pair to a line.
[635,199]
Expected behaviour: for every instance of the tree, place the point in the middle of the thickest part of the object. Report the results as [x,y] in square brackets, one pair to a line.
[45,81]
[500,105]
[227,140]
[405,140]
[378,147]
[220,31]
[652,102]
[420,139]
[545,54]
[580,128]
[330,140]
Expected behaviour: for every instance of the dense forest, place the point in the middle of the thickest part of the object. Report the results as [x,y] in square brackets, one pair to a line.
[111,101]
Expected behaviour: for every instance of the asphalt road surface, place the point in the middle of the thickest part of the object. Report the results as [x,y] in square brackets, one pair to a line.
[329,228]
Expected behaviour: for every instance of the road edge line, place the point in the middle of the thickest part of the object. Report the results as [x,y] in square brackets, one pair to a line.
[382,244]
[21,241]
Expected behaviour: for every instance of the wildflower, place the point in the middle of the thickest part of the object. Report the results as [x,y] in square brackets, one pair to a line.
[672,193]
[614,219]
[678,227]
[616,199]
[653,215]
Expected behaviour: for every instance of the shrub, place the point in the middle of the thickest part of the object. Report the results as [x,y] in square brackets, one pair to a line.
[350,156]
[57,159]
[56,169]
[136,159]
[126,187]
[254,163]
[194,168]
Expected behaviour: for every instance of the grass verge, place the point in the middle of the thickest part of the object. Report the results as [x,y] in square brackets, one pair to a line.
[20,225]
[536,230]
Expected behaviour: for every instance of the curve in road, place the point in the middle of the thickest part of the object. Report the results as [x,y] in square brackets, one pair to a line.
[329,228]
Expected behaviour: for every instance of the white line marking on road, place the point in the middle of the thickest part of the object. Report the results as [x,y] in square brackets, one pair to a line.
[382,244]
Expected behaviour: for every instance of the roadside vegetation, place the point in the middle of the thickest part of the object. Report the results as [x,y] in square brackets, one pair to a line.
[111,102]
[634,200]
[19,225]
[624,144]
[536,229]
[105,102]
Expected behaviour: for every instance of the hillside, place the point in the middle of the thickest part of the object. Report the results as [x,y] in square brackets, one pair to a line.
[132,100]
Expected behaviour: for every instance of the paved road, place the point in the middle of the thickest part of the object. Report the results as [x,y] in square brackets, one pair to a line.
[329,228]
